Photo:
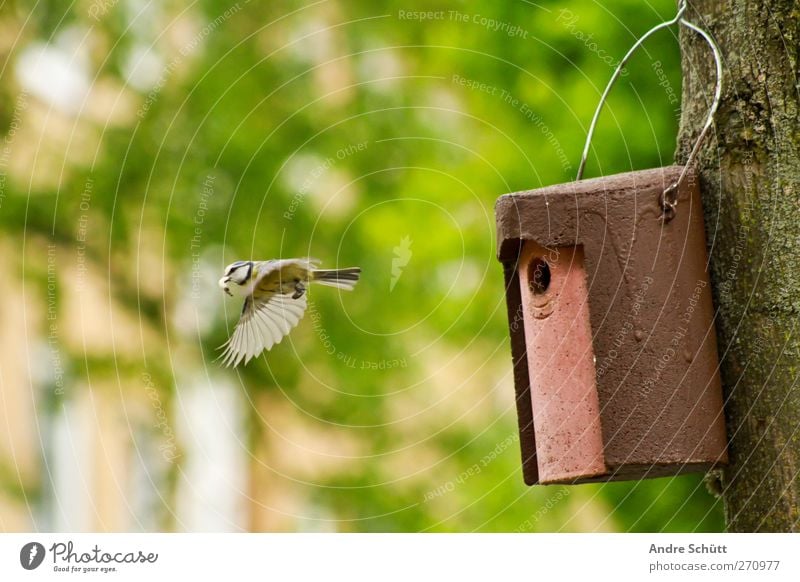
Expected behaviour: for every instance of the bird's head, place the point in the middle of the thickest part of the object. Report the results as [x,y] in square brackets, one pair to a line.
[237,276]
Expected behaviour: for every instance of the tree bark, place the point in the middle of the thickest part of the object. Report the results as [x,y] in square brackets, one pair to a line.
[750,178]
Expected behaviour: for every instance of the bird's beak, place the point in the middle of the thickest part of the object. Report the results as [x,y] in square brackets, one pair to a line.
[223,284]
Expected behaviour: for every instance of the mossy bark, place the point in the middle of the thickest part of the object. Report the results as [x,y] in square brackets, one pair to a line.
[750,177]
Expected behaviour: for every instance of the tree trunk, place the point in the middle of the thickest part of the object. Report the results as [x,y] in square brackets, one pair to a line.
[750,178]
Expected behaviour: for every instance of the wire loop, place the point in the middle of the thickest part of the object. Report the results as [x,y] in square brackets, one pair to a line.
[668,200]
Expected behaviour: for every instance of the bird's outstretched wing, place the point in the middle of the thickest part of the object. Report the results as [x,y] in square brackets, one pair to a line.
[264,322]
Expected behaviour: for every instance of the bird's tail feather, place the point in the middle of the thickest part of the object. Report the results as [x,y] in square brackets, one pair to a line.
[342,278]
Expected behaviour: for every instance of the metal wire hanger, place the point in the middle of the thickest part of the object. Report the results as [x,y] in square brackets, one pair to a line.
[669,197]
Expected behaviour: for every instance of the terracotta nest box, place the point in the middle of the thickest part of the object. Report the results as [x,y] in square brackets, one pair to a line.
[612,331]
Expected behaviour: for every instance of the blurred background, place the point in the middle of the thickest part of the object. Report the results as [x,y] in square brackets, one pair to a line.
[145,145]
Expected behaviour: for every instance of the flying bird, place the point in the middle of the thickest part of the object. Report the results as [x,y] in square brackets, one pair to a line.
[274,301]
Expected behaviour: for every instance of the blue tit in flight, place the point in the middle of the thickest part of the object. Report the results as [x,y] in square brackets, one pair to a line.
[274,300]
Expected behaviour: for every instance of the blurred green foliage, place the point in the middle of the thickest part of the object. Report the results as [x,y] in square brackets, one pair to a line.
[269,112]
